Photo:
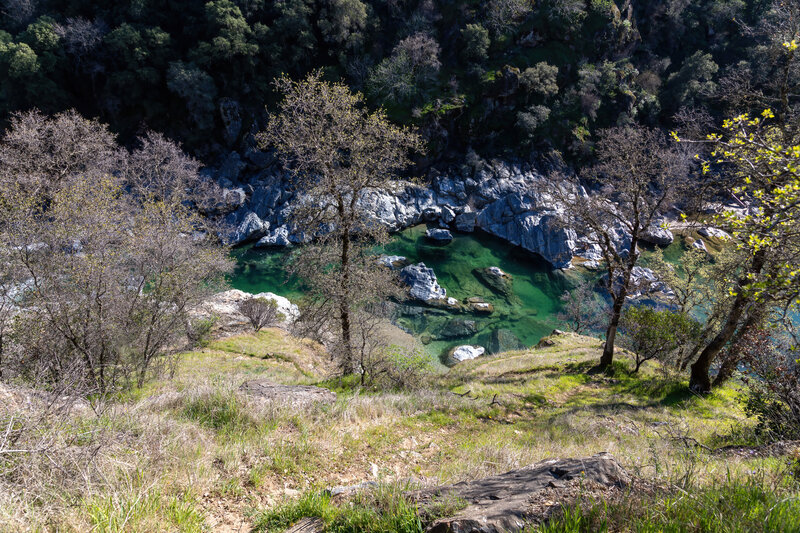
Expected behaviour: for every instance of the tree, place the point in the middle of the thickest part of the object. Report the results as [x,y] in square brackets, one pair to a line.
[581,309]
[338,152]
[636,178]
[764,154]
[652,334]
[39,154]
[103,273]
[476,41]
[413,64]
[260,312]
[540,79]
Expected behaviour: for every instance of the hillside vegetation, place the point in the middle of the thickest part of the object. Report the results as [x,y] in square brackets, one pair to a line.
[193,453]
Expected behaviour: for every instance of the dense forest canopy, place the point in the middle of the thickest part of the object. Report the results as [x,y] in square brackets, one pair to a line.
[500,76]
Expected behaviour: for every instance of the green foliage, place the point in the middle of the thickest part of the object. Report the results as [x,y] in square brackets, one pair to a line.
[476,43]
[653,334]
[615,63]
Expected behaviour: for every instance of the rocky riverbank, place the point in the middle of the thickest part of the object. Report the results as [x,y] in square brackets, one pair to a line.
[497,197]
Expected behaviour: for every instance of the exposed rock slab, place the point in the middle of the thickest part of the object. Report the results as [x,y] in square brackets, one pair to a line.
[287,394]
[504,502]
[465,353]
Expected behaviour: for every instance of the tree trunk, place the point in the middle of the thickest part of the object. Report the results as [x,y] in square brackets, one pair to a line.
[344,306]
[611,333]
[700,380]
[730,363]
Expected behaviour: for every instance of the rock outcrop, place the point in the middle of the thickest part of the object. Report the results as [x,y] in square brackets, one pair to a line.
[423,283]
[497,197]
[507,502]
[287,394]
[224,308]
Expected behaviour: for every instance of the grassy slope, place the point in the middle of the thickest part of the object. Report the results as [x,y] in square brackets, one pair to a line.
[191,454]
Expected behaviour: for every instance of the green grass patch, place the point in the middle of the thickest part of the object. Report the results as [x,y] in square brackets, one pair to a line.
[382,510]
[751,506]
[219,411]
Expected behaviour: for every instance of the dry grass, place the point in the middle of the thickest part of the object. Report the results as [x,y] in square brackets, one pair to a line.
[191,452]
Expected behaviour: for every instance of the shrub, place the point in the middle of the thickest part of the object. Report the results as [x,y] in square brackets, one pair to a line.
[653,334]
[261,312]
[773,392]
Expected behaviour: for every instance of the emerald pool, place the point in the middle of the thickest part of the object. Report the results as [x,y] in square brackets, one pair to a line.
[520,318]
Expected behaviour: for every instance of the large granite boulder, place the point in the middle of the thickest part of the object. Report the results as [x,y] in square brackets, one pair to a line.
[224,308]
[505,502]
[277,238]
[243,225]
[518,219]
[422,282]
[657,233]
[438,235]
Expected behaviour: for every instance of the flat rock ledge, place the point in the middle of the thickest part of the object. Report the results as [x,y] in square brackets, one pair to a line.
[300,395]
[510,501]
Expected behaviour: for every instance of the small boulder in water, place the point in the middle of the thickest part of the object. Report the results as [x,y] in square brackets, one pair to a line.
[439,235]
[494,278]
[423,283]
[465,353]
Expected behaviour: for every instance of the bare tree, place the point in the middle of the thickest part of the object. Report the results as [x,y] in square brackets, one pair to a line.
[103,278]
[581,309]
[39,153]
[338,153]
[635,179]
[260,312]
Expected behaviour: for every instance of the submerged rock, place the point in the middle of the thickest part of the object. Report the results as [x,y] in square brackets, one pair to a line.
[497,280]
[439,235]
[422,282]
[457,328]
[479,305]
[504,340]
[465,353]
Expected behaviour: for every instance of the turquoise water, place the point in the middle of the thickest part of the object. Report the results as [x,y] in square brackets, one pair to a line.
[529,312]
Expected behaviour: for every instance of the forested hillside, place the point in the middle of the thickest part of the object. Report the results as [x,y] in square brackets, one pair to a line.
[501,76]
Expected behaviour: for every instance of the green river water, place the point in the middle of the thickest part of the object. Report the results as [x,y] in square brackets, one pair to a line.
[528,314]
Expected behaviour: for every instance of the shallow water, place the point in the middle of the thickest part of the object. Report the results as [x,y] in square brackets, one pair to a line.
[529,313]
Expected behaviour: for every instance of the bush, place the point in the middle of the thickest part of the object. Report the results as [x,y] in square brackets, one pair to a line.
[261,312]
[653,334]
[198,331]
[773,392]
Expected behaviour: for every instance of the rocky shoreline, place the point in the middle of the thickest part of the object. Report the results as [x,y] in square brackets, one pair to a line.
[497,197]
